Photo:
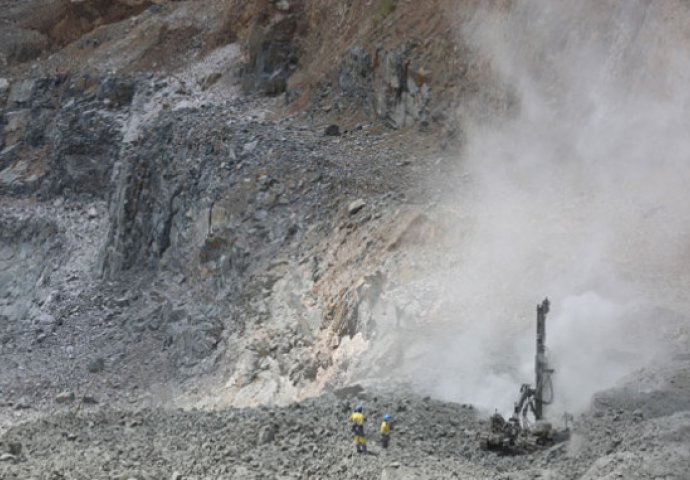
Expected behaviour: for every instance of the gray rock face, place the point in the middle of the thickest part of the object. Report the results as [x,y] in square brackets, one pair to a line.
[143,184]
[62,135]
[400,96]
[208,203]
[273,53]
[86,146]
[356,72]
[388,85]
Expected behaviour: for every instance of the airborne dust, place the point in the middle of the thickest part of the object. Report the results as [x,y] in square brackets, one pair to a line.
[579,193]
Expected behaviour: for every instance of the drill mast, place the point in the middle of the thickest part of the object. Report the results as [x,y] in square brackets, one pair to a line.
[541,369]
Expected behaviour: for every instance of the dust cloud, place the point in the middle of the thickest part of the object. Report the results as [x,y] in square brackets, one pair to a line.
[579,192]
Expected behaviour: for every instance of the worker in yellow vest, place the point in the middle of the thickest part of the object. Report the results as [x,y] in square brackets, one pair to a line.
[358,420]
[385,431]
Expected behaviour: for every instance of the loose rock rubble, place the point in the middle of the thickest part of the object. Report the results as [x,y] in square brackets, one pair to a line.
[430,439]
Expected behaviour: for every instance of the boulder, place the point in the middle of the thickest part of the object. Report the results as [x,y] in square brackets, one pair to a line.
[355,206]
[332,131]
[45,319]
[65,397]
[96,366]
[117,91]
[15,448]
[21,93]
[267,434]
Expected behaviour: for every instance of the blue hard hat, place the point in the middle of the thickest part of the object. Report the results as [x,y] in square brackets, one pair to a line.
[359,408]
[387,418]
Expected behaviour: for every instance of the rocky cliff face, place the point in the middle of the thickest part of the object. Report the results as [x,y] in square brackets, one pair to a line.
[62,135]
[263,227]
[218,211]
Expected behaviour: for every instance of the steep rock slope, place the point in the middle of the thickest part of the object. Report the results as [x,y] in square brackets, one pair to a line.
[235,224]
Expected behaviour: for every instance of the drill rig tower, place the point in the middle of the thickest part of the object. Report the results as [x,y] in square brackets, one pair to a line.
[518,434]
[541,370]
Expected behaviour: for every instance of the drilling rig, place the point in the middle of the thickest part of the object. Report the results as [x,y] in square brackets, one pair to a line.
[519,434]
